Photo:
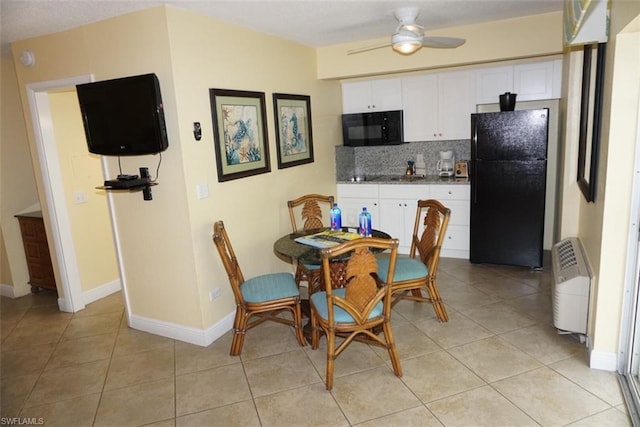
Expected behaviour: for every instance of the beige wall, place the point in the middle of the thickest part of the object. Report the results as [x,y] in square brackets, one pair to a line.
[604,225]
[17,182]
[170,263]
[531,36]
[81,173]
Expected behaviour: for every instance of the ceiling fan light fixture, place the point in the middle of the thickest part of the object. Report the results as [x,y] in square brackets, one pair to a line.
[407,47]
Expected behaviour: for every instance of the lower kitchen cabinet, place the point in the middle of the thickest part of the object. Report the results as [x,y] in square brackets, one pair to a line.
[398,211]
[393,210]
[36,249]
[458,199]
[353,197]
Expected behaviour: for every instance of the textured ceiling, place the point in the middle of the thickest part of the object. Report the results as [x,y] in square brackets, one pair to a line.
[309,22]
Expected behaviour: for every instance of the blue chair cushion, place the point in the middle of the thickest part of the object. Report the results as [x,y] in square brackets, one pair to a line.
[311,267]
[407,268]
[319,301]
[269,287]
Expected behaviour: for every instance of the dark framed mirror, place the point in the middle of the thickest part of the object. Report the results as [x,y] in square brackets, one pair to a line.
[590,118]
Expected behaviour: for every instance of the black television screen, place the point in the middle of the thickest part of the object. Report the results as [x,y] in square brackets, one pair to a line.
[123,117]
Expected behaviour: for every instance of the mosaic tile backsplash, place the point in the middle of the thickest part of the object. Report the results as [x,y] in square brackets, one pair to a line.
[392,160]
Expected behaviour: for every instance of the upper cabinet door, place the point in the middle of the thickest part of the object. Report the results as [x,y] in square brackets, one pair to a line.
[533,81]
[456,102]
[491,82]
[420,107]
[371,95]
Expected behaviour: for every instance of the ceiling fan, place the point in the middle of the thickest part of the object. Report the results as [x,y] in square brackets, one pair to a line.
[409,36]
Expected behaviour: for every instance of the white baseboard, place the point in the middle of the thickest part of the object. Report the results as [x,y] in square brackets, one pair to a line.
[101,291]
[604,361]
[6,290]
[201,337]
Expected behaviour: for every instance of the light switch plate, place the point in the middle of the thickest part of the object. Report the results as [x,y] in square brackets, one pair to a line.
[202,190]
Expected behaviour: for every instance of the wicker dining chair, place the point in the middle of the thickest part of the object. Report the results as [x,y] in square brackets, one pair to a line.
[359,309]
[306,213]
[417,272]
[263,296]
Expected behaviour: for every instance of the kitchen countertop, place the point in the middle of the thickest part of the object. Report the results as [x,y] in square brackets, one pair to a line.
[406,180]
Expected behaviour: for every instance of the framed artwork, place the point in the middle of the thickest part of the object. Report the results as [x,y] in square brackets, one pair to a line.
[590,118]
[294,138]
[239,133]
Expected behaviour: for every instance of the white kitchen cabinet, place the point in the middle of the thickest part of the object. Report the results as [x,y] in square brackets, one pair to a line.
[398,205]
[458,199]
[530,81]
[353,197]
[491,82]
[437,106]
[372,95]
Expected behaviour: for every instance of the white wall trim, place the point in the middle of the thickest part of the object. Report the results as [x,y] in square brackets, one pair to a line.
[603,360]
[101,291]
[201,337]
[6,290]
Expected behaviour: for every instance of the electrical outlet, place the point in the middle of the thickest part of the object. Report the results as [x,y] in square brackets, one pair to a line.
[202,190]
[79,197]
[215,293]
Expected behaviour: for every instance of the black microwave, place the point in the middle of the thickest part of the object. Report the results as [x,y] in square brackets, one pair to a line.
[375,128]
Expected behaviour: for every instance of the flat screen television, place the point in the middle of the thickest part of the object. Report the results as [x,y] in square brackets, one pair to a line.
[123,117]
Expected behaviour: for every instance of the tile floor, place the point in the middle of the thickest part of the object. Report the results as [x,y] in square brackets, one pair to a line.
[497,362]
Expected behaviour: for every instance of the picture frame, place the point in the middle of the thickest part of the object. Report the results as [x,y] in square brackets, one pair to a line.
[294,135]
[593,66]
[239,133]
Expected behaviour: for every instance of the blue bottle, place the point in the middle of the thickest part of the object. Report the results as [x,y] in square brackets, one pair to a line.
[364,223]
[336,217]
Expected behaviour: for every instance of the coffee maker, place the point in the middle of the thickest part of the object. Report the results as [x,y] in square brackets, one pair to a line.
[446,164]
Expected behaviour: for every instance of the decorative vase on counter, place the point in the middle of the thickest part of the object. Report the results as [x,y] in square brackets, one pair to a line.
[508,101]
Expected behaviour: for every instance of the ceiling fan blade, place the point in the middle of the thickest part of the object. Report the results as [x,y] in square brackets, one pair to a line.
[366,49]
[442,42]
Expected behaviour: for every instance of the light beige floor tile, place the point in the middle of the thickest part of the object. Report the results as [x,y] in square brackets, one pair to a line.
[192,358]
[457,331]
[499,317]
[410,342]
[76,412]
[280,372]
[210,389]
[45,315]
[372,394]
[65,383]
[25,361]
[479,407]
[357,357]
[544,343]
[165,423]
[140,367]
[32,336]
[310,405]
[414,417]
[603,384]
[137,405]
[493,359]
[241,414]
[6,327]
[464,271]
[414,311]
[110,304]
[14,391]
[268,339]
[537,306]
[549,398]
[465,297]
[132,341]
[609,418]
[438,375]
[504,287]
[80,350]
[92,325]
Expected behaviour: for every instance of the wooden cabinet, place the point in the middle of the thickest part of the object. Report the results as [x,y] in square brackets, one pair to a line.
[437,106]
[36,250]
[530,81]
[372,95]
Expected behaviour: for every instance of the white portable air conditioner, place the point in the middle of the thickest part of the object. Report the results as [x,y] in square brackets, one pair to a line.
[571,286]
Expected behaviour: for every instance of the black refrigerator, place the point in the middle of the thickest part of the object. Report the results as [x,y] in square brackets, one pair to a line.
[508,181]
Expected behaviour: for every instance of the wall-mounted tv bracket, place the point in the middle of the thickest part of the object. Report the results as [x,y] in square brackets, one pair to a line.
[131,183]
